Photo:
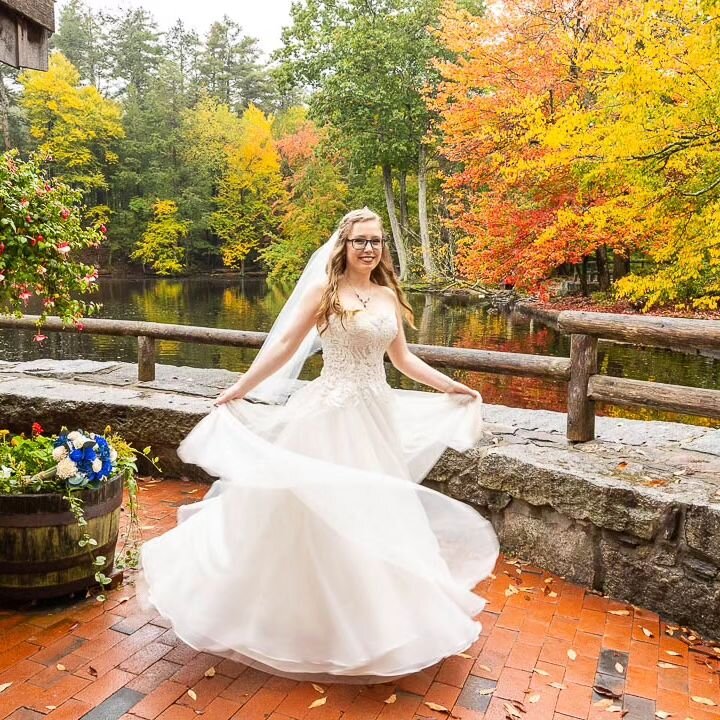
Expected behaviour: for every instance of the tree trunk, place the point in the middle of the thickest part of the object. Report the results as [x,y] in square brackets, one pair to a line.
[428,262]
[404,214]
[394,225]
[602,268]
[621,265]
[4,109]
[584,277]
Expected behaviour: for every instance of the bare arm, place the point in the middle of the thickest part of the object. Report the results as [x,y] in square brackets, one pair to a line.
[416,369]
[281,351]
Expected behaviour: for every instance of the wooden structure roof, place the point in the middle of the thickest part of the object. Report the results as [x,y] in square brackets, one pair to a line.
[25,29]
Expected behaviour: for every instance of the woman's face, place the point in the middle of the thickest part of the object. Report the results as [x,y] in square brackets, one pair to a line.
[364,247]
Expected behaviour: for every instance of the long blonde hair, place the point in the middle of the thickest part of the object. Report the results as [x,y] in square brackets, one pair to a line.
[382,274]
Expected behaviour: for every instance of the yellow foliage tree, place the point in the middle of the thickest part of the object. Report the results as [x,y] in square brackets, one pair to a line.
[252,196]
[161,244]
[73,124]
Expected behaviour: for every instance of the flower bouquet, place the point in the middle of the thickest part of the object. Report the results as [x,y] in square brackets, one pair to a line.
[57,493]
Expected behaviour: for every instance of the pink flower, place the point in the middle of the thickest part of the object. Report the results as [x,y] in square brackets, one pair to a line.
[49,302]
[2,248]
[78,325]
[64,213]
[28,218]
[103,229]
[24,202]
[24,295]
[39,338]
[63,248]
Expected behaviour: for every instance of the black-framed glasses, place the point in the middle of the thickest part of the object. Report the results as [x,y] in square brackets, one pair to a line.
[362,243]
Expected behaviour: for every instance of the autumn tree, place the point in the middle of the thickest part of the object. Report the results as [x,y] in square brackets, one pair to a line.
[317,197]
[161,245]
[251,196]
[74,124]
[367,62]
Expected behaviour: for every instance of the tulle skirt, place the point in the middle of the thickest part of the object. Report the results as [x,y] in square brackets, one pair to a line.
[316,554]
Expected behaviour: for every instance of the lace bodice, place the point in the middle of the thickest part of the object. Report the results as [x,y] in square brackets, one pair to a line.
[353,355]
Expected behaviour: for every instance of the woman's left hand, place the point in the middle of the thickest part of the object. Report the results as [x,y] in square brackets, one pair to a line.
[458,388]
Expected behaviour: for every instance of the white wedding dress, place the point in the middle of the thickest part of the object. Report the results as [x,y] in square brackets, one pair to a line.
[317,554]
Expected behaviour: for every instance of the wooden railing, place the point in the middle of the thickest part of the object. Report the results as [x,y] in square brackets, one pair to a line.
[585,385]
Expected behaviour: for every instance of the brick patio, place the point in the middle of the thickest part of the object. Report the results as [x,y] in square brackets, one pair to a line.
[545,644]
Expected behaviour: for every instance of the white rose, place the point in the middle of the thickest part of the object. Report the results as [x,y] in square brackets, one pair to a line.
[113,455]
[79,441]
[59,453]
[97,465]
[72,436]
[66,469]
[5,471]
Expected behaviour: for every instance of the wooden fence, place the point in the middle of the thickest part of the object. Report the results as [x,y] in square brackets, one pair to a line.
[585,385]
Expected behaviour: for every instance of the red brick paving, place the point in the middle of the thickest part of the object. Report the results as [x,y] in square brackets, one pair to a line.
[545,643]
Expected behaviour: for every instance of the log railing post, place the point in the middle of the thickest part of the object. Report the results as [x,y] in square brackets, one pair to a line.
[146,358]
[581,409]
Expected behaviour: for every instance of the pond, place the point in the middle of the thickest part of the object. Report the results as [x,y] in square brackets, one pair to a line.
[252,304]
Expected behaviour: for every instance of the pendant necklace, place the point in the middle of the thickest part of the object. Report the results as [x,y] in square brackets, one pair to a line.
[364,302]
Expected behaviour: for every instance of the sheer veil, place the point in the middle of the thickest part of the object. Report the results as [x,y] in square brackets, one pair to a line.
[279,386]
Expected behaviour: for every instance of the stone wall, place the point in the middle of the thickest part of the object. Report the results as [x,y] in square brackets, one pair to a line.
[636,543]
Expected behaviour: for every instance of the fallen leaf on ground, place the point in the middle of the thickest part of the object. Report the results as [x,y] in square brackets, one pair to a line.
[572,654]
[675,653]
[619,612]
[391,699]
[511,710]
[465,655]
[92,671]
[486,668]
[667,666]
[192,694]
[648,633]
[605,702]
[540,672]
[210,672]
[613,708]
[535,697]
[702,700]
[318,688]
[5,686]
[558,685]
[317,703]
[486,691]
[662,714]
[60,666]
[438,708]
[607,692]
[619,668]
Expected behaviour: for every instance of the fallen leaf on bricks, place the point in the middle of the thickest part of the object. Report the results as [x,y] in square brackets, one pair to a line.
[438,708]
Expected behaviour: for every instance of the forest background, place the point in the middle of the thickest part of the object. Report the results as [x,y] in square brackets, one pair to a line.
[504,145]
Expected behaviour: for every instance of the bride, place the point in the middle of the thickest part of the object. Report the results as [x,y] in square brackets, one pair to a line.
[317,554]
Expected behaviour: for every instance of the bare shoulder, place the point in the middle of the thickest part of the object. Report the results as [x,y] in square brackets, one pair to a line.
[390,292]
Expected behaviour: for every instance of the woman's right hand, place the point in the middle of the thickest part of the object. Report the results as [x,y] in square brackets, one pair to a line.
[234,392]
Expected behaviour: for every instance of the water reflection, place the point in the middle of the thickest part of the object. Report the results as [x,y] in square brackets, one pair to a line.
[250,304]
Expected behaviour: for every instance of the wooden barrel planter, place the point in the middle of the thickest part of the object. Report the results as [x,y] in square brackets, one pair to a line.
[39,552]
